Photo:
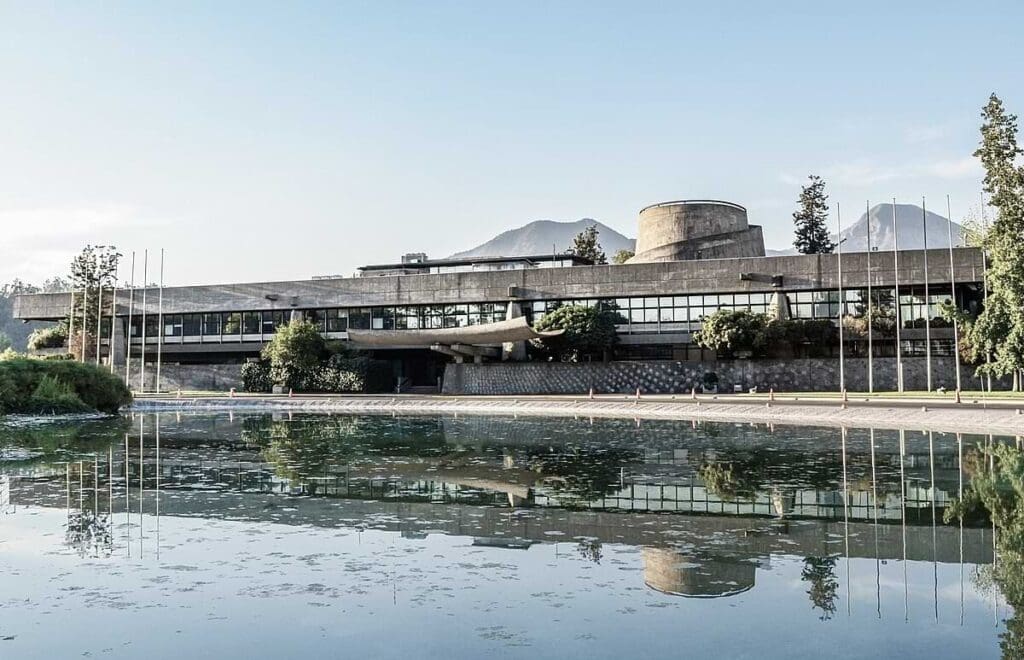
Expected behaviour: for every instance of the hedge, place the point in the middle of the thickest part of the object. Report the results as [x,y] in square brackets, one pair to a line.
[29,385]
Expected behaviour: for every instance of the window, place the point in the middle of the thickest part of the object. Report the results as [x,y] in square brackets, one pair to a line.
[232,323]
[317,317]
[152,325]
[359,319]
[250,323]
[192,325]
[337,320]
[211,324]
[172,325]
[272,321]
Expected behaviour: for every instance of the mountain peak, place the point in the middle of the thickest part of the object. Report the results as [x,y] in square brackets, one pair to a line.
[911,224]
[545,236]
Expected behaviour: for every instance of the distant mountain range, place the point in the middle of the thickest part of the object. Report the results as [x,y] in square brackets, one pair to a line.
[545,237]
[910,226]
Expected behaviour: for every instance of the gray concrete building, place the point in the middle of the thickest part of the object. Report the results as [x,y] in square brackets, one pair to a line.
[693,259]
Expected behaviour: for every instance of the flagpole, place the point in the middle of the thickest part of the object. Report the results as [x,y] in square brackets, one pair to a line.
[952,290]
[871,302]
[128,332]
[112,342]
[927,300]
[842,302]
[160,323]
[85,319]
[144,314]
[899,307]
[99,320]
[71,323]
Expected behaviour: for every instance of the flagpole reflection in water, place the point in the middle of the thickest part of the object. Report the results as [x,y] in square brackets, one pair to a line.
[142,445]
[846,526]
[874,508]
[127,503]
[156,418]
[960,496]
[903,522]
[935,542]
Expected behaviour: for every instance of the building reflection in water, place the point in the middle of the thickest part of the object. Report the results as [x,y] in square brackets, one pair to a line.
[746,493]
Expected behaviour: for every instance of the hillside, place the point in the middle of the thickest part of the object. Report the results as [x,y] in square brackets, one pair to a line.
[544,237]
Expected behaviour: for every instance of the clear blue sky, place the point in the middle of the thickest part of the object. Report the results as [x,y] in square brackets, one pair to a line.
[284,140]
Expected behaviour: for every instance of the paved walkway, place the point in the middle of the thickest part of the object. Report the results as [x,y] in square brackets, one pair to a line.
[1003,418]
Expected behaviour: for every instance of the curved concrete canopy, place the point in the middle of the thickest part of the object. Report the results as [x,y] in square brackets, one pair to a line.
[511,330]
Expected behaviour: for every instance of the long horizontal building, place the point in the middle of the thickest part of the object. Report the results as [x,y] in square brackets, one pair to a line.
[419,313]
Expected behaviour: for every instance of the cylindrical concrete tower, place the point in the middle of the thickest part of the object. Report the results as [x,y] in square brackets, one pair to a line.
[696,229]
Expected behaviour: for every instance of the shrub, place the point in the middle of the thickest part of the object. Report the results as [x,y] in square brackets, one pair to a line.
[730,332]
[256,377]
[54,396]
[295,355]
[54,336]
[589,332]
[97,388]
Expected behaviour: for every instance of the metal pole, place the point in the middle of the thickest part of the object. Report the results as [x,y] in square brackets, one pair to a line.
[899,319]
[99,321]
[85,319]
[871,303]
[128,333]
[113,322]
[952,290]
[160,323]
[927,300]
[142,349]
[842,303]
[71,322]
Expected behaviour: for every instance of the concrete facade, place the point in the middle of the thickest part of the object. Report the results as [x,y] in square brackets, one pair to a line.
[189,377]
[802,375]
[734,275]
[696,229]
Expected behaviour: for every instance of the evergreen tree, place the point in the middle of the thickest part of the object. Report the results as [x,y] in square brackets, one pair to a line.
[998,332]
[585,245]
[811,232]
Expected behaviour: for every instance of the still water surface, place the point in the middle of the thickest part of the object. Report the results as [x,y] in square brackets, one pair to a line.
[241,536]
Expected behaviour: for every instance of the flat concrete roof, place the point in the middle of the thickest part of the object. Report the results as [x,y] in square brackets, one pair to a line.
[709,276]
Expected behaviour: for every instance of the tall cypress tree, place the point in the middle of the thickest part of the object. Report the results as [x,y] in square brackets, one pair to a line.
[999,330]
[811,232]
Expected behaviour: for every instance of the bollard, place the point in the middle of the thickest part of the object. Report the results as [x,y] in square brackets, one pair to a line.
[591,395]
[290,393]
[924,408]
[179,394]
[958,395]
[771,393]
[231,393]
[638,394]
[844,395]
[693,393]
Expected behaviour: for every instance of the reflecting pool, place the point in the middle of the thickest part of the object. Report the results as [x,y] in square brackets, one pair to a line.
[241,536]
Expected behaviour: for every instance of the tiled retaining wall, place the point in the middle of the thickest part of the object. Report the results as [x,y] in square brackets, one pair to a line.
[808,375]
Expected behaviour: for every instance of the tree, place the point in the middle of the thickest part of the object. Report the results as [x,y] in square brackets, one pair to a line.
[731,332]
[998,332]
[94,269]
[622,256]
[585,245]
[295,355]
[812,235]
[589,332]
[820,572]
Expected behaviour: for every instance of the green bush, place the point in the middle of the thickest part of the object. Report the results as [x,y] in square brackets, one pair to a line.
[589,332]
[295,355]
[55,397]
[54,336]
[95,387]
[256,377]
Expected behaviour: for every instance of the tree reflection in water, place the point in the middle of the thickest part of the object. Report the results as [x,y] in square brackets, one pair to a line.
[997,489]
[820,572]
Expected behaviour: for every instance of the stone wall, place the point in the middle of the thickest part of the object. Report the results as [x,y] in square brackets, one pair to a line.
[207,377]
[805,375]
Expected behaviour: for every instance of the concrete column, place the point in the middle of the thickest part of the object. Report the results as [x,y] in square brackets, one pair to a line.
[513,350]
